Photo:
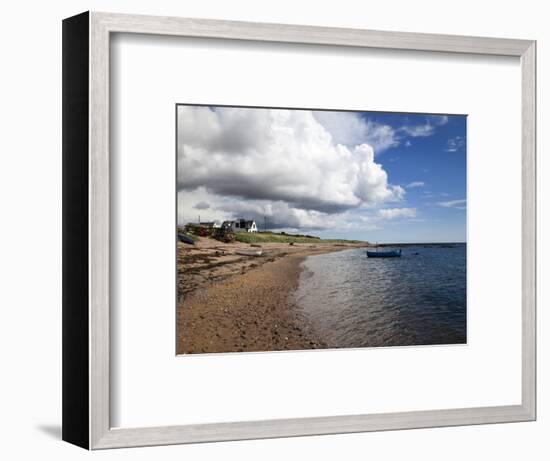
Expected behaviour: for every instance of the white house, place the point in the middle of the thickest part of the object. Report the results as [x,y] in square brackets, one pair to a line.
[241,225]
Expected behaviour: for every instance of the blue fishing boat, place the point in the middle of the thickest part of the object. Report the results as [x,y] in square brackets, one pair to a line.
[384,254]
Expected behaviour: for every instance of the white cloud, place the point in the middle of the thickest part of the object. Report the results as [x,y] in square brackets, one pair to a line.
[461,204]
[350,129]
[455,144]
[280,163]
[414,184]
[426,129]
[438,119]
[392,213]
[419,130]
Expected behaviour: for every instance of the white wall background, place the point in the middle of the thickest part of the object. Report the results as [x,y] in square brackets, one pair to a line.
[30,243]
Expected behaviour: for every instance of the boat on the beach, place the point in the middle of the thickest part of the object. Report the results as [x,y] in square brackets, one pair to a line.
[384,254]
[248,252]
[185,239]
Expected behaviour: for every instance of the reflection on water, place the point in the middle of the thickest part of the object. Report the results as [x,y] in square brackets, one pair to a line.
[355,301]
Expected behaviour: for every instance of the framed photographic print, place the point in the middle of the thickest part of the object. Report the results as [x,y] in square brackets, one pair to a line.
[274,230]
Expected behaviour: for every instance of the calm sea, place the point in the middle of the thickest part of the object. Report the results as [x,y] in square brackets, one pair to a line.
[355,301]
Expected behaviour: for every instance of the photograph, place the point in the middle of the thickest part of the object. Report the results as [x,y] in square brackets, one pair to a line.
[301,229]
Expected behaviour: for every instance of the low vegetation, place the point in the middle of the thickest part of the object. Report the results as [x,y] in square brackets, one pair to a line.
[273,237]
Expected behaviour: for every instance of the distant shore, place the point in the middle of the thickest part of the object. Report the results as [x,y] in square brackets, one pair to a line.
[424,244]
[233,303]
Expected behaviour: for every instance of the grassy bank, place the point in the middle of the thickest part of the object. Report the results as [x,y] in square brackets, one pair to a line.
[272,237]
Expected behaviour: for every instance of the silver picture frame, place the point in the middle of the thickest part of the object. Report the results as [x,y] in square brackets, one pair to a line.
[86,229]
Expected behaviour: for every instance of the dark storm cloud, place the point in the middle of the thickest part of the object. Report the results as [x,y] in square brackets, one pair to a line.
[260,188]
[202,206]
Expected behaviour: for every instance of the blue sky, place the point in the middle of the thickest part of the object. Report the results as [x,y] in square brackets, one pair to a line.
[381,177]
[433,166]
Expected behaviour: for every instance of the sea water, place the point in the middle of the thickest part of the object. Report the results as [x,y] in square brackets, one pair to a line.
[417,299]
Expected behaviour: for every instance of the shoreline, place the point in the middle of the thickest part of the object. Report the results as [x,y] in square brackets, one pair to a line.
[229,303]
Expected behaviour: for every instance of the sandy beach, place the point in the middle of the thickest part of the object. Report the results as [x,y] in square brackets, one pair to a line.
[233,303]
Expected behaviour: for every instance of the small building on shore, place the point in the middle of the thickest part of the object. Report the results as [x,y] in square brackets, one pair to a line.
[241,225]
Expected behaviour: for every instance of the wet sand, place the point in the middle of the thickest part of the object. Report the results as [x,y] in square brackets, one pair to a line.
[233,303]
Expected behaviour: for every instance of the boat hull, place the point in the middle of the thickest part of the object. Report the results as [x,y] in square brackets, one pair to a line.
[185,239]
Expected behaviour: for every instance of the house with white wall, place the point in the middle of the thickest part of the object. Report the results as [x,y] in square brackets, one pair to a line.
[241,225]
